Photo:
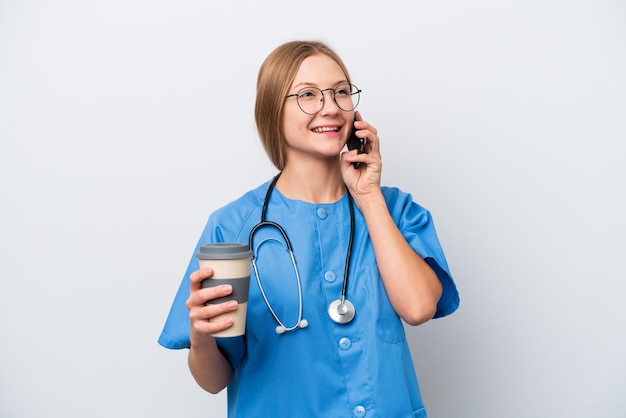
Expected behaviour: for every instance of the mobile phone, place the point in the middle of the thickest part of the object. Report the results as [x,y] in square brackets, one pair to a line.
[354,142]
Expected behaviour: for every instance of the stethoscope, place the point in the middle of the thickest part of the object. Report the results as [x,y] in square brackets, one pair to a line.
[340,310]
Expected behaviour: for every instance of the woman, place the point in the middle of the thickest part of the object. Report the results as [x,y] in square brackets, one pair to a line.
[366,257]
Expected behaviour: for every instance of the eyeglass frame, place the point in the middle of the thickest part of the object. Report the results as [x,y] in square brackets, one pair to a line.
[333,89]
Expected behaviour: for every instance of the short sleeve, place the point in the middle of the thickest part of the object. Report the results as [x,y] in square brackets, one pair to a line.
[229,223]
[175,333]
[417,227]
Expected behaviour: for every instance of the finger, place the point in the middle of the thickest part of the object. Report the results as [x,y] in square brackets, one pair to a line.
[364,126]
[372,144]
[199,297]
[208,311]
[369,133]
[350,157]
[206,327]
[212,318]
[196,278]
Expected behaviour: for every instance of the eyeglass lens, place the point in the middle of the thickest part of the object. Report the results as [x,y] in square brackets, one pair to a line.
[311,99]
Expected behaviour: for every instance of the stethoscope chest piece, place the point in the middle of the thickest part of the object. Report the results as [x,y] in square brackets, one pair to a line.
[341,311]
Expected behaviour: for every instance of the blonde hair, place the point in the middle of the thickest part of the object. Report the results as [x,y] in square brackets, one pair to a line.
[275,77]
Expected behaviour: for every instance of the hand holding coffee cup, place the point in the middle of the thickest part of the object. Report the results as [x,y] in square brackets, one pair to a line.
[201,312]
[230,263]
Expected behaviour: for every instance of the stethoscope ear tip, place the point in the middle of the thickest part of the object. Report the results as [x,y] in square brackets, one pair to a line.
[280,329]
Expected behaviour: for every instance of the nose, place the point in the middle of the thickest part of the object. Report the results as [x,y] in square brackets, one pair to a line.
[329,106]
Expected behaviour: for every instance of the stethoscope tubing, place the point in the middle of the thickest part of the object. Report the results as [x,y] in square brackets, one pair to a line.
[338,308]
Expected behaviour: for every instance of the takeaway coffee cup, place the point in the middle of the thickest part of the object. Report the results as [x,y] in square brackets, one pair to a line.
[231,265]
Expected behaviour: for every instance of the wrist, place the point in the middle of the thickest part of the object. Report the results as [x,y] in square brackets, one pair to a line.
[371,202]
[200,340]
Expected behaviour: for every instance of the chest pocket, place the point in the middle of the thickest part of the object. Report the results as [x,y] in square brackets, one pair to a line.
[388,324]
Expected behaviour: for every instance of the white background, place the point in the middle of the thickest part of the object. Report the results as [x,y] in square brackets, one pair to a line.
[123,124]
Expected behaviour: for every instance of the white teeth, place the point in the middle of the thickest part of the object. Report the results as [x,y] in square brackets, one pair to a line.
[325,129]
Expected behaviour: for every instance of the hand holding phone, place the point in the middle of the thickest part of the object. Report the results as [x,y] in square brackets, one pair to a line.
[354,142]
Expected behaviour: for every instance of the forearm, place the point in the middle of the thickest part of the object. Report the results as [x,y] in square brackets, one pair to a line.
[208,366]
[412,286]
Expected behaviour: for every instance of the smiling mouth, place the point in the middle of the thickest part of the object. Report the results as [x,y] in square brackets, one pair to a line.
[326,129]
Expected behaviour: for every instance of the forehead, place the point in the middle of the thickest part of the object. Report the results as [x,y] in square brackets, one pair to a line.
[319,70]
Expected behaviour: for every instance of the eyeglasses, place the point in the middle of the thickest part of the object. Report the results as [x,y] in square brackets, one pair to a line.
[311,99]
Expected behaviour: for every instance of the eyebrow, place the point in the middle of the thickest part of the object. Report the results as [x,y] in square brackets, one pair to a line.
[307,84]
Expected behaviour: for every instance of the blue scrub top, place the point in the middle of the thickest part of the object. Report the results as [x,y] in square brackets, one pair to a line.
[360,369]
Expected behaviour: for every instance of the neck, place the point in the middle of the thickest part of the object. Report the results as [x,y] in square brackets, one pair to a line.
[318,183]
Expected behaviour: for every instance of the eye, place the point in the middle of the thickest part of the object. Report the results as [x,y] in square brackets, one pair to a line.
[308,94]
[343,90]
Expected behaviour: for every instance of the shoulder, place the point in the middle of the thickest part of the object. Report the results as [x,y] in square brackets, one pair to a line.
[233,219]
[400,203]
[393,194]
[243,204]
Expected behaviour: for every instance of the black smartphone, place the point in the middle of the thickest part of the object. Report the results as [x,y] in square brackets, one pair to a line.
[354,142]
